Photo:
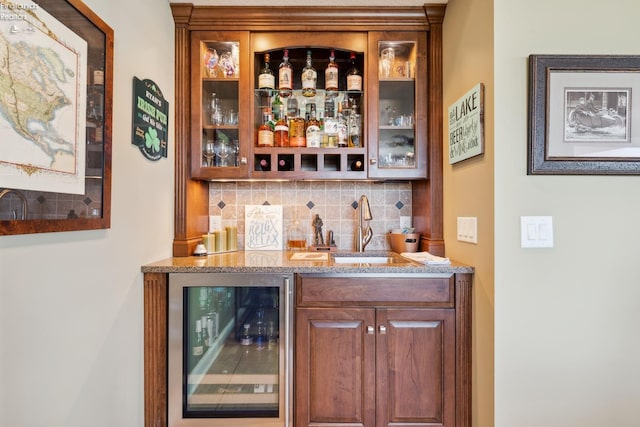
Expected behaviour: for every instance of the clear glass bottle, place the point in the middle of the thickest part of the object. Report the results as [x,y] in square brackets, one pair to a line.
[309,77]
[246,338]
[261,330]
[276,105]
[331,76]
[343,128]
[313,134]
[265,131]
[285,76]
[266,78]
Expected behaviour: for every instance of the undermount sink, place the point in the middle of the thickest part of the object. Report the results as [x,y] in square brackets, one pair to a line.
[370,259]
[363,260]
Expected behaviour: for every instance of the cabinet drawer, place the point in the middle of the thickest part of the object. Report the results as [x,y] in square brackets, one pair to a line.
[374,290]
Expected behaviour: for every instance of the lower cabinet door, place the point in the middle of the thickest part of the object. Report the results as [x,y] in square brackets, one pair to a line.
[415,368]
[335,367]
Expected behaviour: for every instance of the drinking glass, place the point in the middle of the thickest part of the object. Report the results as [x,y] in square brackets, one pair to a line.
[208,151]
[223,152]
[387,58]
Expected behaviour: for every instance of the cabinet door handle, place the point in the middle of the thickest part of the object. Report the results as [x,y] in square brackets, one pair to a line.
[382,329]
[243,160]
[371,330]
[373,161]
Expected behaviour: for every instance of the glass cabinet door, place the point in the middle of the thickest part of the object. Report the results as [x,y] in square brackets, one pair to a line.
[397,121]
[219,63]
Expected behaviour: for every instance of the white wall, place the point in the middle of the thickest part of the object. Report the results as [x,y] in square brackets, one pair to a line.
[567,346]
[71,303]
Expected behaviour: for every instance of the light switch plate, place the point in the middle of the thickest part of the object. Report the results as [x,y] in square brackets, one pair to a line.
[536,231]
[468,229]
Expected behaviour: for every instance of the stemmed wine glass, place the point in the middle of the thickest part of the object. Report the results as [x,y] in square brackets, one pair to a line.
[208,152]
[222,150]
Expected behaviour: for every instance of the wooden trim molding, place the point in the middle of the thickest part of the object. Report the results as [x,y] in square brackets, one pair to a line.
[156,287]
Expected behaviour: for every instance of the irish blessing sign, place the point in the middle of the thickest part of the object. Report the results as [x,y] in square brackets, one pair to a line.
[466,125]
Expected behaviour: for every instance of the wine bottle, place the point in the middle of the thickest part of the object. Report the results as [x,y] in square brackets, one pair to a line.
[264,164]
[266,79]
[309,77]
[284,165]
[354,78]
[285,76]
[357,165]
[246,338]
[331,76]
[198,346]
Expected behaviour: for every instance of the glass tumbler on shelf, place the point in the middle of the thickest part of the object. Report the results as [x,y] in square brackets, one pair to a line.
[387,59]
[217,116]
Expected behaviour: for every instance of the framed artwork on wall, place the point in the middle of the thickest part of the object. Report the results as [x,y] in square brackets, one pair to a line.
[584,115]
[56,58]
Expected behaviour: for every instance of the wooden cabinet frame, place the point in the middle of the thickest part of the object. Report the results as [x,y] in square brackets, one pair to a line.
[191,196]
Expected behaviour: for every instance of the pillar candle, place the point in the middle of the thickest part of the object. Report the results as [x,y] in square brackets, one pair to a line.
[232,238]
[221,237]
[209,243]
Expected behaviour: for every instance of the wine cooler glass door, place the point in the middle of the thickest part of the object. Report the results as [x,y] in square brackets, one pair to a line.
[229,337]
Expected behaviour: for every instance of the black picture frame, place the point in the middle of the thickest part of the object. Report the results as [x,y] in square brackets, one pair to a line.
[563,138]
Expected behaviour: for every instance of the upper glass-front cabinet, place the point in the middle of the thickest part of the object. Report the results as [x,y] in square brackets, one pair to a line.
[219,145]
[397,121]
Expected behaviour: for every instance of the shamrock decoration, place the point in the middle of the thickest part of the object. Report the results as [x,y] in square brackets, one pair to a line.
[151,139]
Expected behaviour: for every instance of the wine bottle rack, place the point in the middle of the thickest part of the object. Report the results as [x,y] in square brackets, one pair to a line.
[320,163]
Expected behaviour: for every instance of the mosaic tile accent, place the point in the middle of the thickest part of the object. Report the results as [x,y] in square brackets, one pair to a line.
[335,201]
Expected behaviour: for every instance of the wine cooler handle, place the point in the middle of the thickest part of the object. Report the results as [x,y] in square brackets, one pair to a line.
[382,329]
[287,348]
[371,330]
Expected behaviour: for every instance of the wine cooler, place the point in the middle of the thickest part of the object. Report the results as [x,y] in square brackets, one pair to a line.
[230,349]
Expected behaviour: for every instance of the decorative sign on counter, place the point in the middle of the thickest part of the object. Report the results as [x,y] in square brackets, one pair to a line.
[150,119]
[263,227]
[466,125]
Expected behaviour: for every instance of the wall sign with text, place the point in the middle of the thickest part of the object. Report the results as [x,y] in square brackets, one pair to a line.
[466,125]
[150,119]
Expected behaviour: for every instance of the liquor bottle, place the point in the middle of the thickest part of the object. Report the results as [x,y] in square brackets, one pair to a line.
[357,165]
[281,130]
[198,347]
[313,134]
[246,338]
[266,79]
[309,77]
[331,76]
[265,131]
[264,164]
[343,129]
[292,107]
[354,78]
[297,132]
[276,107]
[285,76]
[330,139]
[284,165]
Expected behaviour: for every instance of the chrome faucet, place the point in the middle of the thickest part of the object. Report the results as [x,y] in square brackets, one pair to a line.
[364,230]
[6,191]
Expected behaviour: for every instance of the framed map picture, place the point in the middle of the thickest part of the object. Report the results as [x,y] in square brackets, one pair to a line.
[56,62]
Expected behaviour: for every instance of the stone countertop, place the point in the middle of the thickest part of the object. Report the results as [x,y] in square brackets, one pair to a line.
[281,262]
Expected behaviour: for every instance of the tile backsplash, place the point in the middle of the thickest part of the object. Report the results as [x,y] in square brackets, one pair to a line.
[334,201]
